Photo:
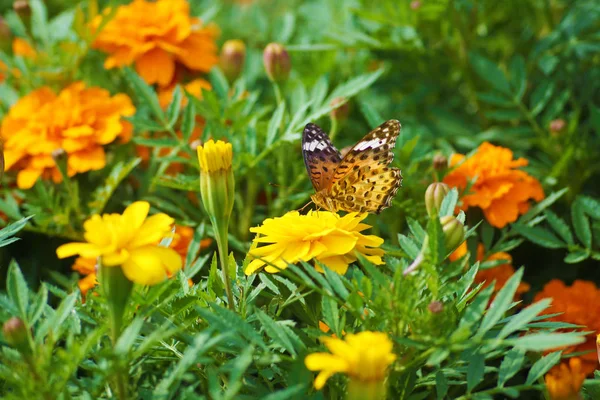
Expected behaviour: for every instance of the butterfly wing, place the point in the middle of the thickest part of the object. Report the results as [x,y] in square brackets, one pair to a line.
[321,158]
[363,181]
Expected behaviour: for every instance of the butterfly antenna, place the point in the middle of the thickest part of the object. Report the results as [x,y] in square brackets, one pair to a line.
[303,207]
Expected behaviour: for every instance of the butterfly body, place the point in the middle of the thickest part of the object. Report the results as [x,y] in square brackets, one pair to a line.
[362,180]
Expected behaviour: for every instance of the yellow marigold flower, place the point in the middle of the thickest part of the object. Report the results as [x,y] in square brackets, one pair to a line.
[131,241]
[21,47]
[215,156]
[500,189]
[78,121]
[155,35]
[564,381]
[364,357]
[320,235]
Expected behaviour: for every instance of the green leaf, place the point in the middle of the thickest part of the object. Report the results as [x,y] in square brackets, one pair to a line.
[511,364]
[416,229]
[496,99]
[475,370]
[437,356]
[17,289]
[180,182]
[239,366]
[6,233]
[188,121]
[435,237]
[559,226]
[476,309]
[336,283]
[174,106]
[408,245]
[275,124]
[145,94]
[275,331]
[103,193]
[39,303]
[331,315]
[501,303]
[449,203]
[219,83]
[286,394]
[39,21]
[226,321]
[542,366]
[441,385]
[581,224]
[156,142]
[542,205]
[540,96]
[518,76]
[504,115]
[130,334]
[489,72]
[525,316]
[539,236]
[548,341]
[577,256]
[62,313]
[591,206]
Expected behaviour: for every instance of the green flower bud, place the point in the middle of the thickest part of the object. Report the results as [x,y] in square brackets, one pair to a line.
[434,195]
[277,62]
[233,55]
[454,232]
[15,333]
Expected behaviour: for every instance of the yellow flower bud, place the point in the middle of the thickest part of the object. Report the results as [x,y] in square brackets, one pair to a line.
[233,55]
[434,195]
[277,62]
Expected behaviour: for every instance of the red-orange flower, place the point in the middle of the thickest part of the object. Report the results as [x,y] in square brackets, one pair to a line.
[564,381]
[156,35]
[579,305]
[78,121]
[500,273]
[501,190]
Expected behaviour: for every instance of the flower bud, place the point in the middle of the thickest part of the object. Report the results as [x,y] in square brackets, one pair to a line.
[22,8]
[435,307]
[341,110]
[557,125]
[434,195]
[454,232]
[415,5]
[5,35]
[233,55]
[277,62]
[440,162]
[15,332]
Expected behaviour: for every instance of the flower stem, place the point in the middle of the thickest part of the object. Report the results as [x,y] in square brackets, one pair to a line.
[223,246]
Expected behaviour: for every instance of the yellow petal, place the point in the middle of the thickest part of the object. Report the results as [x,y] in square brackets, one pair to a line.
[169,258]
[135,214]
[144,266]
[86,250]
[115,258]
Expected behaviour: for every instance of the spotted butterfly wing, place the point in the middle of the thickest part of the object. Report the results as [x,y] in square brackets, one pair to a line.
[320,156]
[363,180]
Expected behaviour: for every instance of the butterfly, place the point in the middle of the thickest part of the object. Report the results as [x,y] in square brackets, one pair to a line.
[362,180]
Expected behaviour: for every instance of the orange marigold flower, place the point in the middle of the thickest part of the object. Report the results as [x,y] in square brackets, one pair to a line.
[78,121]
[501,190]
[86,267]
[500,273]
[579,305]
[564,381]
[194,88]
[155,35]
[21,47]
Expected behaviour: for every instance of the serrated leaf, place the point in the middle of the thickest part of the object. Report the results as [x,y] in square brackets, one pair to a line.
[577,256]
[408,245]
[174,106]
[180,182]
[449,203]
[542,205]
[275,332]
[437,356]
[336,283]
[441,385]
[144,93]
[523,317]
[518,76]
[416,229]
[511,364]
[581,224]
[559,226]
[540,96]
[541,366]
[188,121]
[286,394]
[130,334]
[501,303]
[331,314]
[38,305]
[16,286]
[219,82]
[476,309]
[539,236]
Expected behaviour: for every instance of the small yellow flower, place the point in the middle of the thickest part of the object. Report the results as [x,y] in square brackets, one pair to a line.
[215,156]
[130,240]
[564,381]
[321,235]
[364,357]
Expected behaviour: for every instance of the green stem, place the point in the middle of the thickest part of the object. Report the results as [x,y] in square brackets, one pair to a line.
[334,128]
[277,90]
[223,246]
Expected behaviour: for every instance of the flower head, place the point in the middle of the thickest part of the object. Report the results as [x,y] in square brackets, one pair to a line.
[277,62]
[564,381]
[131,241]
[233,55]
[577,304]
[156,36]
[78,121]
[215,156]
[364,357]
[500,189]
[320,235]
